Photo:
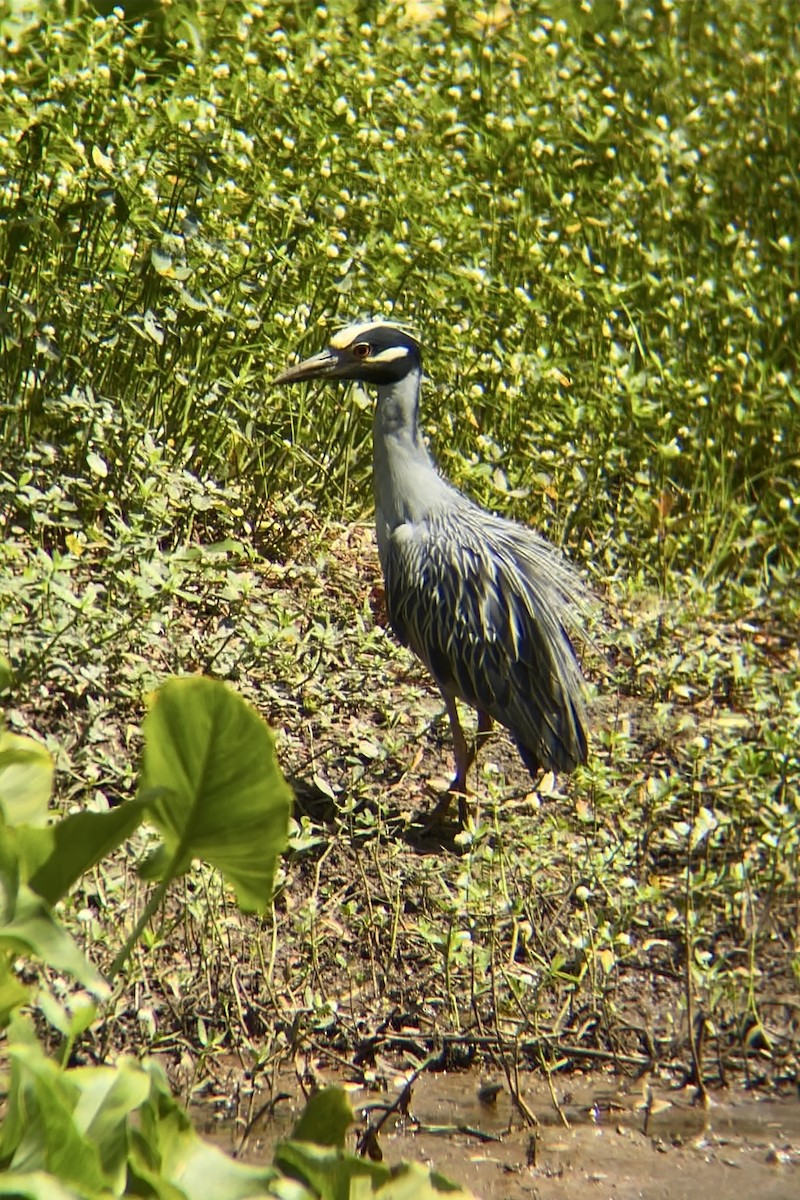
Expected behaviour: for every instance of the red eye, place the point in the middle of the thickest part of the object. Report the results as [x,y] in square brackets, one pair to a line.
[361,350]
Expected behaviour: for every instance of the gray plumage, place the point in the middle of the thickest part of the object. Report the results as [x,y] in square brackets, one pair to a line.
[486,603]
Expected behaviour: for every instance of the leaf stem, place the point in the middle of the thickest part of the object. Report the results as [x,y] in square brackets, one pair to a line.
[156,896]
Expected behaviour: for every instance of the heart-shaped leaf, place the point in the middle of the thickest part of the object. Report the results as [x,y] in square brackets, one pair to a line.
[214,787]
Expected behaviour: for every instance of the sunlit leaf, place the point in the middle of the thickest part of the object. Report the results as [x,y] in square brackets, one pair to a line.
[37,1185]
[90,1125]
[412,1181]
[161,260]
[96,464]
[70,1022]
[216,791]
[40,1132]
[28,927]
[168,1153]
[102,160]
[26,779]
[55,857]
[328,1172]
[325,1119]
[153,329]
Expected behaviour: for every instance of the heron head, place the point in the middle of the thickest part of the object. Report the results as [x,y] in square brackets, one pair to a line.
[371,352]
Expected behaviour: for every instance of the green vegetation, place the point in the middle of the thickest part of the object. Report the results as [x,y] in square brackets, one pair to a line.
[592,218]
[590,212]
[209,782]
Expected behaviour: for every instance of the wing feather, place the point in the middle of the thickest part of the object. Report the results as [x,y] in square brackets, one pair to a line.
[487,605]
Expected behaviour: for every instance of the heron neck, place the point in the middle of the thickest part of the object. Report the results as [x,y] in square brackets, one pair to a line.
[397,408]
[405,479]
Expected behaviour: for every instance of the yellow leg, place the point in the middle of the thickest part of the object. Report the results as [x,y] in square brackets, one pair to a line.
[464,757]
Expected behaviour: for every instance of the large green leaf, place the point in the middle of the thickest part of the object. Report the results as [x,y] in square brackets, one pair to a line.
[108,1096]
[36,1185]
[40,1132]
[315,1156]
[99,1129]
[27,926]
[216,792]
[333,1175]
[168,1155]
[55,857]
[328,1171]
[412,1181]
[10,874]
[26,779]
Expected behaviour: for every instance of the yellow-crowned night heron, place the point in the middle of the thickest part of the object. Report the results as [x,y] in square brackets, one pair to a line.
[484,602]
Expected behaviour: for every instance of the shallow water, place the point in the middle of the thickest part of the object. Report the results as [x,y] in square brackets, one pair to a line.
[602,1143]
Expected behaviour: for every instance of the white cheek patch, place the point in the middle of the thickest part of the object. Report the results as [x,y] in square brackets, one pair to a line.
[391,354]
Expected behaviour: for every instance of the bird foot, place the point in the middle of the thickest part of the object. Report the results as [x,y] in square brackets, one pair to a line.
[439,815]
[462,806]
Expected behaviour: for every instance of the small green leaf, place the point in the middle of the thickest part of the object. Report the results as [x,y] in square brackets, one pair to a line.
[325,1119]
[96,464]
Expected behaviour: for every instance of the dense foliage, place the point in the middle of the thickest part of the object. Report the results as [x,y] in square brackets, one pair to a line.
[590,213]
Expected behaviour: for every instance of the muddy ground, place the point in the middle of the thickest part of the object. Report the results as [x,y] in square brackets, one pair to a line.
[591,1138]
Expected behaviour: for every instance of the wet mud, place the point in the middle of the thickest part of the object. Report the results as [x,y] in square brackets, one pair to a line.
[589,1138]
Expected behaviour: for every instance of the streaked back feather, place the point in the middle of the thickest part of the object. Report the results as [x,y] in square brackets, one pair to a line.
[487,605]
